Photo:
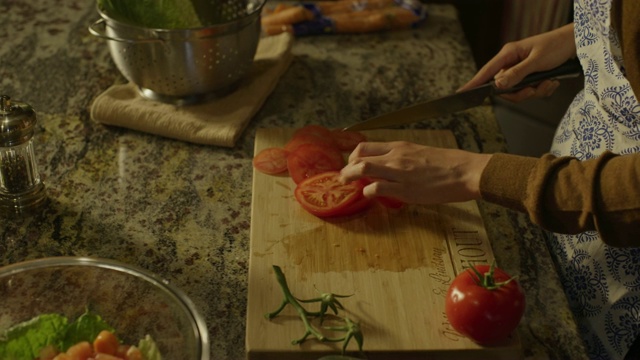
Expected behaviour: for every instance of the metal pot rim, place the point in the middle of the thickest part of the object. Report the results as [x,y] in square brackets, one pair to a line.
[219,28]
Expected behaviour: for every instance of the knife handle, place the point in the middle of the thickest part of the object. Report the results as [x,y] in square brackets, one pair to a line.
[569,69]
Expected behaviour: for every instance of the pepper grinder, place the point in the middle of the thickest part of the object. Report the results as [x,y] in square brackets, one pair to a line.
[21,191]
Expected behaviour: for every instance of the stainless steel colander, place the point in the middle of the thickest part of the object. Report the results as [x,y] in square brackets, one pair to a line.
[185,66]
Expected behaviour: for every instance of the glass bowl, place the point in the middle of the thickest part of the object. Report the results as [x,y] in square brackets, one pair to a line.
[133,301]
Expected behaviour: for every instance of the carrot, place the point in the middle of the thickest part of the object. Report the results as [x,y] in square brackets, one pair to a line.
[276,29]
[63,356]
[102,356]
[48,352]
[281,7]
[360,24]
[81,350]
[374,20]
[346,17]
[134,354]
[288,16]
[106,343]
[400,18]
[344,6]
[335,7]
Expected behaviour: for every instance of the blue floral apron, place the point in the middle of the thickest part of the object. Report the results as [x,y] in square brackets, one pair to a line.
[602,283]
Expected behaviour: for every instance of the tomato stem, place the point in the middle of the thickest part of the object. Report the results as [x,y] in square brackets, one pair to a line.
[327,301]
[488,280]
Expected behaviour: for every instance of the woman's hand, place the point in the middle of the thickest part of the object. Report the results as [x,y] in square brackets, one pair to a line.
[415,173]
[521,58]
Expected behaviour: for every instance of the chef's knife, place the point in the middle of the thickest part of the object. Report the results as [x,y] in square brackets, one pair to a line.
[462,100]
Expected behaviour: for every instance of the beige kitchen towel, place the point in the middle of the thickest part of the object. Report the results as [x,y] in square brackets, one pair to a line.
[218,122]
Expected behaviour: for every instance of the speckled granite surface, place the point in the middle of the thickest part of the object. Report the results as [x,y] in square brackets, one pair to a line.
[183,210]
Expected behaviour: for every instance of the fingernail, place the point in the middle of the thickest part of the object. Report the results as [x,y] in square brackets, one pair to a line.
[551,88]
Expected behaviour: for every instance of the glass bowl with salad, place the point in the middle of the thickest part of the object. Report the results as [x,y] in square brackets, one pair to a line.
[87,308]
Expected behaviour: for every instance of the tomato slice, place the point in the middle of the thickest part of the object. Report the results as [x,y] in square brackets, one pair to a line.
[271,160]
[317,130]
[348,140]
[311,159]
[389,202]
[324,195]
[355,207]
[308,138]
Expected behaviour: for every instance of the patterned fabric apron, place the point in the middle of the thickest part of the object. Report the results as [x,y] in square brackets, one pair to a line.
[602,283]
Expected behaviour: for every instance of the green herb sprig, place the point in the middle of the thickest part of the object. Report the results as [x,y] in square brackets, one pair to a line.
[327,301]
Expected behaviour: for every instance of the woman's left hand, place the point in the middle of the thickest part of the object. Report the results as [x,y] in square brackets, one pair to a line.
[416,173]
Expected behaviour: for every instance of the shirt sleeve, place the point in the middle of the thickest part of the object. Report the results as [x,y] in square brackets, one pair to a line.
[565,195]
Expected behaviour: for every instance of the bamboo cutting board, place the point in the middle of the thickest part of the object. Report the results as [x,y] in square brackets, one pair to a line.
[397,263]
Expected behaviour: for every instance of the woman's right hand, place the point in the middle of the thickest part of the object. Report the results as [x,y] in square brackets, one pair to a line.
[521,58]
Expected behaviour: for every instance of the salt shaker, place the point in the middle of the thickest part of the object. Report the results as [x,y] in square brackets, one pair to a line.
[21,190]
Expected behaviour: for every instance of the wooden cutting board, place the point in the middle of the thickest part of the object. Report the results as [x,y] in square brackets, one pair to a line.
[397,263]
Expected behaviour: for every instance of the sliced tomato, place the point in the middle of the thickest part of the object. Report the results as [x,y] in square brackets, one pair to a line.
[389,202]
[347,140]
[317,130]
[356,207]
[311,159]
[271,160]
[308,138]
[324,195]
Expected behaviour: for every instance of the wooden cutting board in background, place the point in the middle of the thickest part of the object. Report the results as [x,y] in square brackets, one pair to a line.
[397,263]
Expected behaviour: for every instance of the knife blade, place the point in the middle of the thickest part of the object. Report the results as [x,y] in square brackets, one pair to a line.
[463,100]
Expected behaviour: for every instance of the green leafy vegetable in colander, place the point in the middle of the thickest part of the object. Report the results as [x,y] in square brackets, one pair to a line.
[156,14]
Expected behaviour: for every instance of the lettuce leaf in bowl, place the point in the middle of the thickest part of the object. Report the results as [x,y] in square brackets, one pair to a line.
[87,326]
[25,340]
[149,349]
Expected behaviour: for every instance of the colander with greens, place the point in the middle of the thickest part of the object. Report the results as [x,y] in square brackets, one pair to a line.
[181,51]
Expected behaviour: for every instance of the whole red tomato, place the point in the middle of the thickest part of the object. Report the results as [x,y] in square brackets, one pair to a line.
[485,305]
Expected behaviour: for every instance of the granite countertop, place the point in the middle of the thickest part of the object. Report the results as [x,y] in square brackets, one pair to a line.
[183,210]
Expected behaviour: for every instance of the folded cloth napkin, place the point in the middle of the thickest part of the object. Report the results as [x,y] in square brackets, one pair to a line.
[219,121]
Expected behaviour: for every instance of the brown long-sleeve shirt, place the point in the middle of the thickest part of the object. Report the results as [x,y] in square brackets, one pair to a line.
[569,196]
